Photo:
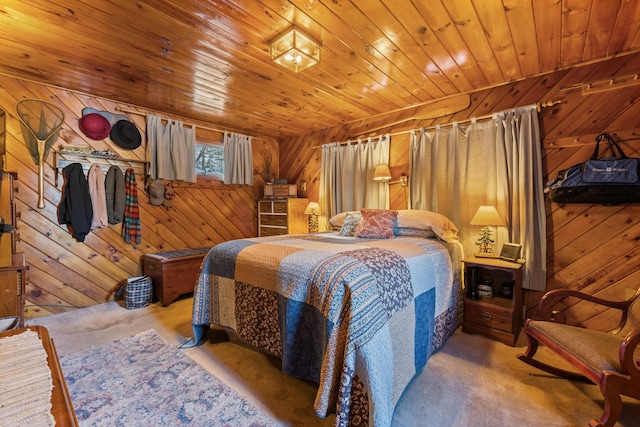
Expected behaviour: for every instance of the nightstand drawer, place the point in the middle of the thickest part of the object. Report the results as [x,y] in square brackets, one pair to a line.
[492,316]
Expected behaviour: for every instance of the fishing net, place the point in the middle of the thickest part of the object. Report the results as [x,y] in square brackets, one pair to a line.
[41,122]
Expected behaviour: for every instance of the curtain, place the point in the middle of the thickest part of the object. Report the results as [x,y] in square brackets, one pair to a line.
[171,150]
[238,159]
[346,176]
[453,171]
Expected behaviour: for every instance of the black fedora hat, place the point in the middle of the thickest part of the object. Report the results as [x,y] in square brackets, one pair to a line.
[126,135]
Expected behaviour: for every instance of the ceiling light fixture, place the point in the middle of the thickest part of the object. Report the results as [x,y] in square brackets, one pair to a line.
[295,50]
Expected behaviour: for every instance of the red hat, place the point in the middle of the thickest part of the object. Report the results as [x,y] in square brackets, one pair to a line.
[95,126]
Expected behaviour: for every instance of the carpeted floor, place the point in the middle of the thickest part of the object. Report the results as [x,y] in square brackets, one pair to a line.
[472,380]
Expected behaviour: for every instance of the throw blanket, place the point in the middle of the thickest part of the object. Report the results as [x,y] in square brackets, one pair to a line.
[351,314]
[131,226]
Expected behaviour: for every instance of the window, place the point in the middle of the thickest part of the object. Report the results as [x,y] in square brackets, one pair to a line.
[210,162]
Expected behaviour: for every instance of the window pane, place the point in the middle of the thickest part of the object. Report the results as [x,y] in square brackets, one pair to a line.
[210,161]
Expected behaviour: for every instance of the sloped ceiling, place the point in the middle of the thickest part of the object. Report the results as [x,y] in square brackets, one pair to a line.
[208,61]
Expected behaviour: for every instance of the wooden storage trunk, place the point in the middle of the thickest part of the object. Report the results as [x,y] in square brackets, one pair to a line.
[174,273]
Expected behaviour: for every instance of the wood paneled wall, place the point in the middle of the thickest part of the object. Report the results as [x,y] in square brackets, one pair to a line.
[590,247]
[65,274]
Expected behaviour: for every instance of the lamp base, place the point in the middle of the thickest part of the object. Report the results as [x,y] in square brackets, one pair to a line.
[486,255]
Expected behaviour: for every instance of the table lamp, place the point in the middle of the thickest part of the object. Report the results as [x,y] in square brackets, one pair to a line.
[313,210]
[487,216]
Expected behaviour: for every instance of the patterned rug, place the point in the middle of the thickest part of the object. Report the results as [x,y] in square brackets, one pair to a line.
[144,381]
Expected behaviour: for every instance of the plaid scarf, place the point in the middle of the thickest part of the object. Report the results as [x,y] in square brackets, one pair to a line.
[131,223]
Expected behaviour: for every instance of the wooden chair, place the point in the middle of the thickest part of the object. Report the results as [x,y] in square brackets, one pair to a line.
[610,360]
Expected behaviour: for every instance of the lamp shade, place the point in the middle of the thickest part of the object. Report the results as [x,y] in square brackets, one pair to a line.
[487,215]
[313,208]
[382,173]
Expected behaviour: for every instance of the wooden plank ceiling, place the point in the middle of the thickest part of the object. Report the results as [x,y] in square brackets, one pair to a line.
[209,60]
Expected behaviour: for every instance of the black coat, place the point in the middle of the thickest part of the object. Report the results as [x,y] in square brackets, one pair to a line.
[75,207]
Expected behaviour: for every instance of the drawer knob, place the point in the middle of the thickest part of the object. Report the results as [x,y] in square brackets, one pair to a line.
[487,316]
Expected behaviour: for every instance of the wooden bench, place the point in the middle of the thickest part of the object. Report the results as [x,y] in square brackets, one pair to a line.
[174,273]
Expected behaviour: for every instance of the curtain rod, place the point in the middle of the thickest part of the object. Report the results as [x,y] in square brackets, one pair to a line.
[140,113]
[539,106]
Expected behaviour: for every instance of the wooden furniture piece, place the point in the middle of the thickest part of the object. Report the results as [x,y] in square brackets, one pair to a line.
[280,191]
[610,360]
[12,265]
[174,273]
[8,189]
[493,298]
[12,284]
[282,216]
[62,408]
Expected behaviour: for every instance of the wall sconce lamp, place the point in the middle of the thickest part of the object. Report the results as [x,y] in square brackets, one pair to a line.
[487,216]
[313,210]
[295,50]
[382,173]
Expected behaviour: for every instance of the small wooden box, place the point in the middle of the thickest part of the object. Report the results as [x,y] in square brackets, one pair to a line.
[280,191]
[174,273]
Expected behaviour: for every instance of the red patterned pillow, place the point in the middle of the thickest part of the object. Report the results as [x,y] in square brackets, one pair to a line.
[376,224]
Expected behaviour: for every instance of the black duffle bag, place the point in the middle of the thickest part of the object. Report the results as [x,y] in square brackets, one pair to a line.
[608,181]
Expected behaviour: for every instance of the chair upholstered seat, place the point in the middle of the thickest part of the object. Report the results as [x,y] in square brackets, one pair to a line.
[609,359]
[597,350]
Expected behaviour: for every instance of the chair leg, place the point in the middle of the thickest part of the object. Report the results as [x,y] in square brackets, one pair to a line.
[527,357]
[610,389]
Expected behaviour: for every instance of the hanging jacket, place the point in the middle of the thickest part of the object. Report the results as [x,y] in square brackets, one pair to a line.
[95,178]
[75,207]
[115,194]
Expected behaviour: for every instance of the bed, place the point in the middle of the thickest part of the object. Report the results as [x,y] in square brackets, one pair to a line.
[358,310]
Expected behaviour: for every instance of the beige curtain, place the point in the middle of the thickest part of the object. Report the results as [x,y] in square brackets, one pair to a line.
[455,170]
[238,159]
[171,150]
[346,176]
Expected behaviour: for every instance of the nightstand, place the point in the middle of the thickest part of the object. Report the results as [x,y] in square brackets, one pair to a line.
[493,298]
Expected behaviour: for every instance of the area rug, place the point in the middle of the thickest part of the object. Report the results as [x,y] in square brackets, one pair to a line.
[144,381]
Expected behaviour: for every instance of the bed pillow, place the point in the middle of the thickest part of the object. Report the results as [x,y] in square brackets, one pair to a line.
[442,226]
[336,221]
[413,232]
[376,224]
[350,223]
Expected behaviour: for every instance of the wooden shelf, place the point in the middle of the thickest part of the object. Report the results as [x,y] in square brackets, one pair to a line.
[63,159]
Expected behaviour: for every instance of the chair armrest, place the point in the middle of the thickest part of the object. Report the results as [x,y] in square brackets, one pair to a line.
[626,354]
[551,297]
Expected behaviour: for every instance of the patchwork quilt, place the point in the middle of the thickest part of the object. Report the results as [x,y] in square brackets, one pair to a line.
[358,316]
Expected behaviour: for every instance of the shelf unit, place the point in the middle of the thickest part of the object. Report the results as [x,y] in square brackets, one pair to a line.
[13,265]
